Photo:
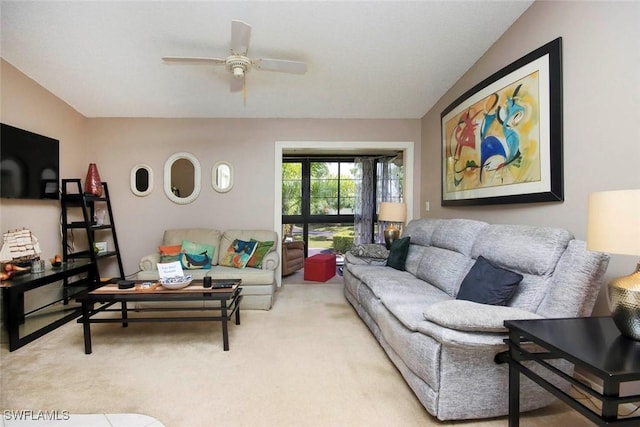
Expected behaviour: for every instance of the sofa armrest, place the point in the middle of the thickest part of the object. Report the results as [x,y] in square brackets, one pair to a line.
[468,316]
[148,262]
[271,261]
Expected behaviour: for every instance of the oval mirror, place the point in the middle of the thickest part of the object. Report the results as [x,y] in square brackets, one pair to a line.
[141,180]
[222,177]
[182,178]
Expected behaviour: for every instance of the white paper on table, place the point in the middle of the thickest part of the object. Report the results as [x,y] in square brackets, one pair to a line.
[170,269]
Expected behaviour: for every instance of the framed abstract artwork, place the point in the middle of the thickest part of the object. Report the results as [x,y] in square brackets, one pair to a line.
[502,139]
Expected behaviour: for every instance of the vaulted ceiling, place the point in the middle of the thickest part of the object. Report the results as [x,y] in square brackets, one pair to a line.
[366,59]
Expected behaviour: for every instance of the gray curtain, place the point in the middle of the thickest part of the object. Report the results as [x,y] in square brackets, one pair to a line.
[365,200]
[369,194]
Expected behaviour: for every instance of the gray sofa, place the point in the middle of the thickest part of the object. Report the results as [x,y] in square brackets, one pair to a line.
[445,347]
[258,284]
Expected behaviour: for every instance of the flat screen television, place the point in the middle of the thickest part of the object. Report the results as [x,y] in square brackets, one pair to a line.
[29,164]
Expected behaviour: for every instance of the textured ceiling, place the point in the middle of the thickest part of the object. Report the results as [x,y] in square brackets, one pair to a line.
[388,59]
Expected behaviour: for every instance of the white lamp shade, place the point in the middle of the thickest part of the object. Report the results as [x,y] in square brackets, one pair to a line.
[392,212]
[614,222]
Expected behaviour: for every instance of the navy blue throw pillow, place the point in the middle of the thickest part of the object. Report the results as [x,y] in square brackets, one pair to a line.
[398,253]
[488,284]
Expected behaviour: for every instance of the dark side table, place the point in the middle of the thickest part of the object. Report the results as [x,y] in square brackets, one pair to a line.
[22,328]
[592,344]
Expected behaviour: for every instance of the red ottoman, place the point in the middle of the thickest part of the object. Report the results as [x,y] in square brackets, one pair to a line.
[320,268]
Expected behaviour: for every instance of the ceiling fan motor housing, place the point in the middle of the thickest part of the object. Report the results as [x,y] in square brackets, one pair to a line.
[238,65]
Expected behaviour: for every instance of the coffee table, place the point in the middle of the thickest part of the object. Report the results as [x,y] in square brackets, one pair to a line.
[102,299]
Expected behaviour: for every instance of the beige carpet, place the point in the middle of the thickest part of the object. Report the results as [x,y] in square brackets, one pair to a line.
[308,362]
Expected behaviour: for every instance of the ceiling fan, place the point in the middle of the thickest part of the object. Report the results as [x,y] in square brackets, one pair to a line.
[238,63]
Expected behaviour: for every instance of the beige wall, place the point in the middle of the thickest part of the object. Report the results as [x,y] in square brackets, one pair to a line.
[601,102]
[27,105]
[248,145]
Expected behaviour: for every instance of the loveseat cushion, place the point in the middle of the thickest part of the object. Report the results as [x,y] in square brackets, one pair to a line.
[196,255]
[229,236]
[207,236]
[262,249]
[470,316]
[239,253]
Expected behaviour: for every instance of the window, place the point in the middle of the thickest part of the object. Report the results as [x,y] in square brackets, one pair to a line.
[318,196]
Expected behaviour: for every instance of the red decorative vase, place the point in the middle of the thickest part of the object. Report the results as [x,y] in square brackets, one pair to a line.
[93,184]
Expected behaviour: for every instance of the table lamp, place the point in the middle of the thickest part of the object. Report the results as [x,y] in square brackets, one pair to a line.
[392,212]
[614,226]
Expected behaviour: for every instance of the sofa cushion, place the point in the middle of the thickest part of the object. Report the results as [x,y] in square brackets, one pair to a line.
[262,249]
[457,234]
[487,284]
[195,255]
[524,248]
[421,230]
[239,253]
[471,316]
[398,253]
[443,268]
[169,253]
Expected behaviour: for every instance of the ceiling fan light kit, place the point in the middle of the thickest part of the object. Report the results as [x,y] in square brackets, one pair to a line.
[238,63]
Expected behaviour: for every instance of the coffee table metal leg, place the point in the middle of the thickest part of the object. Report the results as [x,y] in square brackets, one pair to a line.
[124,314]
[225,330]
[86,326]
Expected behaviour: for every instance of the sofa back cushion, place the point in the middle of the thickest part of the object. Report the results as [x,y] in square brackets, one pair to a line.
[528,249]
[421,230]
[580,271]
[206,236]
[443,268]
[531,251]
[457,234]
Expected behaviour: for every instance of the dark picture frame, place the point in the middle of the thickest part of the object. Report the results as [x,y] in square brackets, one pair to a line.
[502,139]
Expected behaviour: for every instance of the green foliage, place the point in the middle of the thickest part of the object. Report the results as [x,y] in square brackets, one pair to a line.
[329,192]
[342,242]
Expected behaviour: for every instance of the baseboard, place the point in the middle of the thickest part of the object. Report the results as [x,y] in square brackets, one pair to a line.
[625,407]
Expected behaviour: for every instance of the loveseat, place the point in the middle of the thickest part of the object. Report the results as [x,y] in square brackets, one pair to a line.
[258,278]
[443,346]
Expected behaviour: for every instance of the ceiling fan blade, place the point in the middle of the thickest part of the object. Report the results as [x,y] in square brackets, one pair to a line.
[194,60]
[240,35]
[281,65]
[237,84]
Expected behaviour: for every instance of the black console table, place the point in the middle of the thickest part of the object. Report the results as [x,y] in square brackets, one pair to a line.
[594,345]
[22,328]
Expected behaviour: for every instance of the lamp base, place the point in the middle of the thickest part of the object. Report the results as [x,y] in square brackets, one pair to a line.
[391,235]
[624,303]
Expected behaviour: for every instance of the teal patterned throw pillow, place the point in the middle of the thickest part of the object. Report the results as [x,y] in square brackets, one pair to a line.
[194,256]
